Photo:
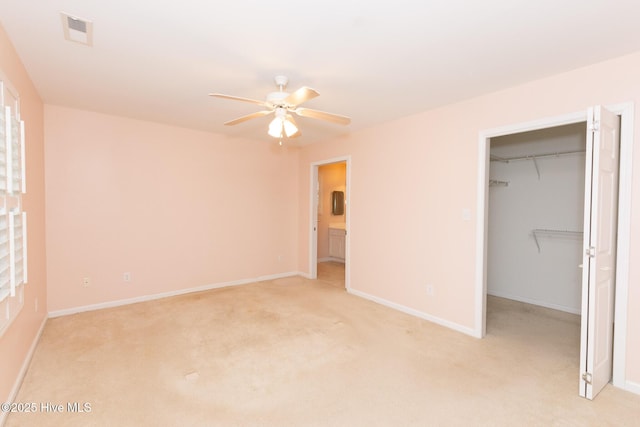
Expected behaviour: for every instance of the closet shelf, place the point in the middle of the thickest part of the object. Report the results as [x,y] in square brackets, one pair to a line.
[539,232]
[534,157]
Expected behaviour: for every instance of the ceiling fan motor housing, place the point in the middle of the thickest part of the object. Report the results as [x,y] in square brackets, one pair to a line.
[276,98]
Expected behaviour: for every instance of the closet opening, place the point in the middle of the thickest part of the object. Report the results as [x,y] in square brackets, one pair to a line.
[535,221]
[529,269]
[534,243]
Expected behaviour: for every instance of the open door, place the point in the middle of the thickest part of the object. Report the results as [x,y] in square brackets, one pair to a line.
[599,266]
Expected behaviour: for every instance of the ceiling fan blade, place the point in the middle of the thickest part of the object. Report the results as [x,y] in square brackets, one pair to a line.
[238,98]
[316,114]
[248,117]
[301,95]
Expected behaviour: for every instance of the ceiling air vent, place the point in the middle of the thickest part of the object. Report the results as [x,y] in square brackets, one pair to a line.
[77,29]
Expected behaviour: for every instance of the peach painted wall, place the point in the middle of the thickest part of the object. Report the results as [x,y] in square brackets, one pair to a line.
[16,342]
[176,208]
[332,177]
[431,171]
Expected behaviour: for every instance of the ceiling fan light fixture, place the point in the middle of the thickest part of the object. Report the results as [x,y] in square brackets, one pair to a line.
[282,126]
[275,128]
[289,128]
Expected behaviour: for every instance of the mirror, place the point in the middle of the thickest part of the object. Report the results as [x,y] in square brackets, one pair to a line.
[337,203]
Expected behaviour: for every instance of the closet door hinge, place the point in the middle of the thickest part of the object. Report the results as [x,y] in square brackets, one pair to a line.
[590,252]
[594,126]
[586,377]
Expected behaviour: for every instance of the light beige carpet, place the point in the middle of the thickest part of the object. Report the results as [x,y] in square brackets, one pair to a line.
[295,352]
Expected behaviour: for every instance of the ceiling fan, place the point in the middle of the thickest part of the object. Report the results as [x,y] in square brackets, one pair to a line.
[282,104]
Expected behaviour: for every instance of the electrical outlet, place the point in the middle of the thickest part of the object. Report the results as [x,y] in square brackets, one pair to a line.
[86,282]
[430,290]
[126,277]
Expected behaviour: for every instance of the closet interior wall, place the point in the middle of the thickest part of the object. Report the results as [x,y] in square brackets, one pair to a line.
[536,206]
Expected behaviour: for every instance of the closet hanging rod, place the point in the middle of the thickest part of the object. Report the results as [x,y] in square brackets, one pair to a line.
[495,158]
[498,183]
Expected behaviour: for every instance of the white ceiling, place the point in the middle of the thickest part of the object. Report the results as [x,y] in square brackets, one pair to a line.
[371,60]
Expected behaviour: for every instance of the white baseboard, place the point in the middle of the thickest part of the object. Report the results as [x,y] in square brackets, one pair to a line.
[414,312]
[632,387]
[117,303]
[566,309]
[329,259]
[23,370]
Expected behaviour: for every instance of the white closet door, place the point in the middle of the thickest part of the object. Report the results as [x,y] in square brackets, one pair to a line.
[600,229]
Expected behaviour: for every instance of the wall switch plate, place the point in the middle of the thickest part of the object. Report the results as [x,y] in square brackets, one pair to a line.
[86,282]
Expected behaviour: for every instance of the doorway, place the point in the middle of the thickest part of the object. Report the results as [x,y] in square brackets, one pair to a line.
[625,112]
[536,216]
[534,247]
[330,220]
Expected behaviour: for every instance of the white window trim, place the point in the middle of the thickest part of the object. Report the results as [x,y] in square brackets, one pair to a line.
[13,186]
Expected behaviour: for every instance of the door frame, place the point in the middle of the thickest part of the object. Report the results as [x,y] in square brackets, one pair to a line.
[313,217]
[626,113]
